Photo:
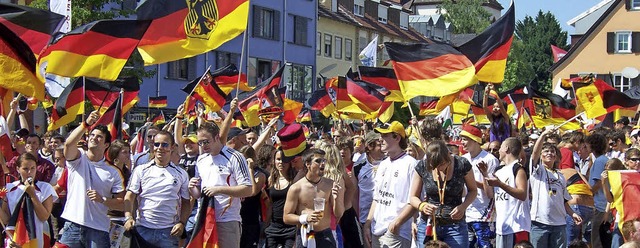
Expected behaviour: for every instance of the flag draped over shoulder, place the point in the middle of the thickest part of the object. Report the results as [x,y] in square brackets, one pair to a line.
[69,105]
[18,65]
[205,90]
[430,69]
[489,50]
[33,26]
[21,228]
[599,98]
[384,77]
[112,119]
[157,101]
[205,230]
[103,93]
[99,49]
[625,187]
[183,29]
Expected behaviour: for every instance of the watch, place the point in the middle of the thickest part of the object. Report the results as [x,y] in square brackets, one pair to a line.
[104,200]
[127,218]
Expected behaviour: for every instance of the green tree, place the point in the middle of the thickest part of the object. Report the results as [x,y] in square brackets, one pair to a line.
[466,16]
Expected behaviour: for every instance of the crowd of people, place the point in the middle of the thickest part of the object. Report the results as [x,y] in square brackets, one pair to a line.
[378,185]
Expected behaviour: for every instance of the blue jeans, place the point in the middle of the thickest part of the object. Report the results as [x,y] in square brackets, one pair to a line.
[159,237]
[455,235]
[480,234]
[77,236]
[576,231]
[422,232]
[543,236]
[616,238]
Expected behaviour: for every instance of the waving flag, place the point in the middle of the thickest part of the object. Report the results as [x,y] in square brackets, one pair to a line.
[112,118]
[69,105]
[18,65]
[321,101]
[557,53]
[33,26]
[368,55]
[100,92]
[157,101]
[625,187]
[384,77]
[599,98]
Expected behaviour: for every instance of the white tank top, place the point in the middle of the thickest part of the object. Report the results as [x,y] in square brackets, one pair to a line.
[514,214]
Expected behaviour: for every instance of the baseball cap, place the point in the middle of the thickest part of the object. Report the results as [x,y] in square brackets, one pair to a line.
[235,131]
[22,132]
[371,137]
[393,127]
[191,137]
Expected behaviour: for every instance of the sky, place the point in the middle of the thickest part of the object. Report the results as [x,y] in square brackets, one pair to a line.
[564,10]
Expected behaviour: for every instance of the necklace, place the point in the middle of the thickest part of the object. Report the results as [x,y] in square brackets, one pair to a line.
[312,182]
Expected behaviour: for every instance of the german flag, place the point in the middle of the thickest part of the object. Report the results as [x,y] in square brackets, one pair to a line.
[206,91]
[103,93]
[304,116]
[524,119]
[321,101]
[550,109]
[369,97]
[112,118]
[430,69]
[479,114]
[69,105]
[624,112]
[227,79]
[599,98]
[428,108]
[489,50]
[99,49]
[21,228]
[625,186]
[157,101]
[384,77]
[249,109]
[266,92]
[33,26]
[18,65]
[205,230]
[159,119]
[290,110]
[183,29]
[386,111]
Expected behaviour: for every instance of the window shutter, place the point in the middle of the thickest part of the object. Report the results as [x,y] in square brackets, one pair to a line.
[627,4]
[257,10]
[304,24]
[276,25]
[635,42]
[611,42]
[191,68]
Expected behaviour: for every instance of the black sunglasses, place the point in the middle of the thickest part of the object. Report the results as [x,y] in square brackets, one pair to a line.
[161,144]
[203,142]
[634,159]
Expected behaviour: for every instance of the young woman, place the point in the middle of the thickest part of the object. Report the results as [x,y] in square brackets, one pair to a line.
[335,170]
[277,233]
[41,194]
[119,156]
[444,178]
[250,217]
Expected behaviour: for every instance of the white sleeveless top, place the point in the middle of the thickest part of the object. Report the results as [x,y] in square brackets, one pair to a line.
[514,214]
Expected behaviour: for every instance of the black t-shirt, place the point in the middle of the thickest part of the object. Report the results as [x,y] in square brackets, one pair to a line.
[251,206]
[188,164]
[452,192]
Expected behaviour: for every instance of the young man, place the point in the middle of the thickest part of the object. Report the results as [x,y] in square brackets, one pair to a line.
[618,144]
[300,207]
[598,146]
[44,167]
[571,142]
[479,214]
[159,190]
[236,138]
[390,216]
[364,172]
[144,156]
[93,187]
[222,172]
[508,186]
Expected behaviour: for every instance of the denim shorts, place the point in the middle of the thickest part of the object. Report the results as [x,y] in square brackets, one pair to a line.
[79,236]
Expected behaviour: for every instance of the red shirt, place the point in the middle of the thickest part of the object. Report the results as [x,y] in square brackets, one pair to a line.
[566,160]
[44,169]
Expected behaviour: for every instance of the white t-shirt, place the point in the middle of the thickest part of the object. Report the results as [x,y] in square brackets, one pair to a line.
[514,215]
[366,173]
[481,209]
[160,192]
[45,191]
[229,168]
[549,193]
[84,175]
[391,193]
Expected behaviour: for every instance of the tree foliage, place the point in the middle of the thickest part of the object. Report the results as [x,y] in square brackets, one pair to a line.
[466,16]
[530,57]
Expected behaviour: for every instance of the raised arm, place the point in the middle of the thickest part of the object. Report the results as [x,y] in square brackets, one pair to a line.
[537,148]
[177,130]
[266,131]
[71,151]
[226,124]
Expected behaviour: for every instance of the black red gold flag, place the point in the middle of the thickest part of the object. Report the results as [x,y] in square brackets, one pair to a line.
[207,91]
[435,69]
[227,79]
[99,49]
[21,228]
[304,116]
[158,120]
[599,98]
[69,105]
[205,230]
[33,26]
[157,101]
[489,50]
[18,66]
[181,30]
[369,97]
[112,118]
[384,77]
[103,93]
[321,101]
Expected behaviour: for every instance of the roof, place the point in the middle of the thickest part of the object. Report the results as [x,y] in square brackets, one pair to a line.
[459,39]
[370,22]
[589,11]
[338,16]
[589,32]
[489,3]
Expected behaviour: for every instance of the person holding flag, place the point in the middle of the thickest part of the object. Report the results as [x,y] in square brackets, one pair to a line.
[500,121]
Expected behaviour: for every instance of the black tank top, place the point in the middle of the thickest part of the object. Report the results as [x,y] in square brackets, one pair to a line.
[251,207]
[278,198]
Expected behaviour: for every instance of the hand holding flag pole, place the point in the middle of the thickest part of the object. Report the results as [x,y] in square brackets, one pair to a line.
[569,120]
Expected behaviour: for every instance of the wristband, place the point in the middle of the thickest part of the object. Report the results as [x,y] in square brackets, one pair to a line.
[421,206]
[303,219]
[180,117]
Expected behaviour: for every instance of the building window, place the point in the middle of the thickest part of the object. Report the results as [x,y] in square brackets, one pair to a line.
[382,13]
[318,43]
[261,69]
[404,20]
[348,43]
[225,58]
[622,83]
[362,41]
[299,80]
[623,42]
[300,27]
[266,23]
[178,69]
[338,52]
[327,45]
[635,4]
[358,7]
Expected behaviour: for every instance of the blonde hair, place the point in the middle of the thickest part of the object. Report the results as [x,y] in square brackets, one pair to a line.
[334,167]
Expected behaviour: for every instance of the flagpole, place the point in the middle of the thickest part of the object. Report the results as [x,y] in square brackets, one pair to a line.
[84,93]
[148,105]
[569,120]
[194,88]
[244,42]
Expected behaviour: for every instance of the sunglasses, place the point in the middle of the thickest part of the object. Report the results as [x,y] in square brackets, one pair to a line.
[161,144]
[203,142]
[493,150]
[320,160]
[150,136]
[634,159]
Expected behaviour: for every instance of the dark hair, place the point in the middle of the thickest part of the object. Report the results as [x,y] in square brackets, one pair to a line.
[105,131]
[431,129]
[309,153]
[33,135]
[436,244]
[630,152]
[345,142]
[153,128]
[24,157]
[248,152]
[275,175]
[50,134]
[210,128]
[437,153]
[598,143]
[573,137]
[58,137]
[553,136]
[514,146]
[616,135]
[115,148]
[577,243]
[403,143]
[265,155]
[168,134]
[614,164]
[523,244]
